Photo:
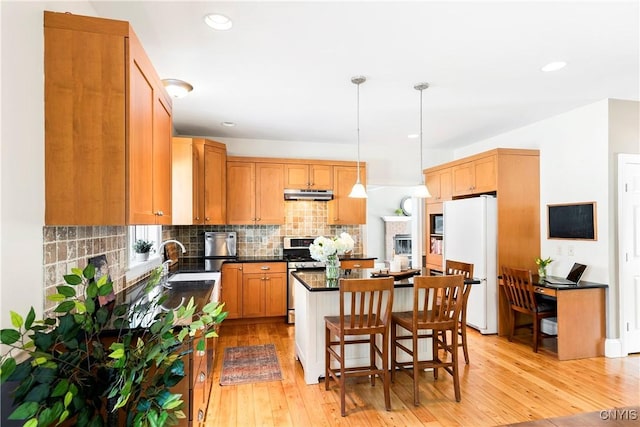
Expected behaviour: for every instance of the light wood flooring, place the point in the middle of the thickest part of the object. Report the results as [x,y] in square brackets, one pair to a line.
[505,383]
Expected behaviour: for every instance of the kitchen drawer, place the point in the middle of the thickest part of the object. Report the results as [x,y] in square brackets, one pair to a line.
[264,267]
[545,291]
[348,264]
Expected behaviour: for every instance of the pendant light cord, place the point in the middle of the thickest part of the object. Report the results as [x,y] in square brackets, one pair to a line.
[358,130]
[421,167]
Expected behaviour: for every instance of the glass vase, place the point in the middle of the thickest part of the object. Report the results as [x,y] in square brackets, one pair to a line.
[542,272]
[332,267]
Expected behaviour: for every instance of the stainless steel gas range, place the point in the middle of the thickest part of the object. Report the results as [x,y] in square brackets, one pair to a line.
[296,252]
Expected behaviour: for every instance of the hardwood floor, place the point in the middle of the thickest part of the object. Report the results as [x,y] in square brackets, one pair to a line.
[505,383]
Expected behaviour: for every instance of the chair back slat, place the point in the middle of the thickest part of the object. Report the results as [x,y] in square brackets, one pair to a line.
[518,286]
[456,267]
[370,301]
[437,301]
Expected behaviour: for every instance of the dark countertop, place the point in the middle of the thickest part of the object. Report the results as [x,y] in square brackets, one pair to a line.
[316,281]
[191,265]
[581,284]
[356,257]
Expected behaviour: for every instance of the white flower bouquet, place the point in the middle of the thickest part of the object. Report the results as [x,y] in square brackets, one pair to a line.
[324,248]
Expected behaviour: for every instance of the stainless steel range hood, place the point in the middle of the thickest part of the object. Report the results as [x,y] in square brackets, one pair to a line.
[295,194]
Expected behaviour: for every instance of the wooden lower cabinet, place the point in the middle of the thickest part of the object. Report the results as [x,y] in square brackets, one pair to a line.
[253,290]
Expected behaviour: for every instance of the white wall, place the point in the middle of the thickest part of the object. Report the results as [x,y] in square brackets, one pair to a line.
[22,153]
[575,165]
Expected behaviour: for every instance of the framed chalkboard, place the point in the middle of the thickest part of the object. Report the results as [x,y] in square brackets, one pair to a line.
[572,221]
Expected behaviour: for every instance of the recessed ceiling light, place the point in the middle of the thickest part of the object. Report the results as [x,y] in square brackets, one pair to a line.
[218,21]
[554,66]
[228,124]
[413,135]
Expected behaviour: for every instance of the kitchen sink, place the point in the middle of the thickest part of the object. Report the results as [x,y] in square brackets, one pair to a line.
[188,277]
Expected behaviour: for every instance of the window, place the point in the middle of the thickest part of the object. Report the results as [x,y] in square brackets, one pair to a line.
[147,232]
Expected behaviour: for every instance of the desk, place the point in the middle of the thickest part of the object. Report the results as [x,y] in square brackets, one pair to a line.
[581,317]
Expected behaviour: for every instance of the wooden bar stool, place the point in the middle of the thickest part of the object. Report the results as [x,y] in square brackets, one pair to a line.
[437,301]
[365,312]
[466,270]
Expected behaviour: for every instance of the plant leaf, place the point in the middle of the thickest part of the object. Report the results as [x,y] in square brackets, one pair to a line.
[7,368]
[65,307]
[92,290]
[56,297]
[68,397]
[63,416]
[106,289]
[72,279]
[211,334]
[76,271]
[102,281]
[24,411]
[33,422]
[67,291]
[60,388]
[16,319]
[38,394]
[89,271]
[9,336]
[30,318]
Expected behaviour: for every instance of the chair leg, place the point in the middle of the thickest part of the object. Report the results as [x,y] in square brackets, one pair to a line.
[463,335]
[536,327]
[435,348]
[513,325]
[343,412]
[327,358]
[372,357]
[454,359]
[386,375]
[416,371]
[393,352]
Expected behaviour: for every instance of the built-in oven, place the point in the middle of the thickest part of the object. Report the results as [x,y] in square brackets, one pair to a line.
[296,252]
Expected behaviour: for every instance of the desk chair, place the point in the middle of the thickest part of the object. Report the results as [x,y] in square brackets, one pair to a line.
[518,286]
[437,301]
[466,270]
[365,312]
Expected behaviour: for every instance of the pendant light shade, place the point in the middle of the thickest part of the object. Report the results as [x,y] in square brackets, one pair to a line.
[358,191]
[421,192]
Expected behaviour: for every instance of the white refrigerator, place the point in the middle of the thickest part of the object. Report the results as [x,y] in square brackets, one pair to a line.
[470,234]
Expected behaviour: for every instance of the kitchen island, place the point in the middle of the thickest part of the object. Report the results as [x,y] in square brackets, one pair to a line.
[315,298]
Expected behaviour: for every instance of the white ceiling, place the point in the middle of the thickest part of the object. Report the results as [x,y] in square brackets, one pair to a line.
[283,72]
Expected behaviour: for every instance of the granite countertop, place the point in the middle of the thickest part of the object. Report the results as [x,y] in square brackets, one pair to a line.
[191,265]
[316,280]
[356,257]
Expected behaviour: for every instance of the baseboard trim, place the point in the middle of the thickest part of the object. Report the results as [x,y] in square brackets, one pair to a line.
[613,348]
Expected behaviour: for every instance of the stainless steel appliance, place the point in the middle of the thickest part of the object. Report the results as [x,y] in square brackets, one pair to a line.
[296,252]
[218,247]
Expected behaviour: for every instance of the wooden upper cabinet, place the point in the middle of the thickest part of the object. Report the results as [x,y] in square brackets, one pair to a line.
[241,192]
[269,193]
[475,177]
[439,185]
[199,181]
[215,183]
[343,210]
[308,176]
[255,193]
[107,155]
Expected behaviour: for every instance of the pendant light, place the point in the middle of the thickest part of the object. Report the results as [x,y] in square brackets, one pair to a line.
[422,192]
[358,191]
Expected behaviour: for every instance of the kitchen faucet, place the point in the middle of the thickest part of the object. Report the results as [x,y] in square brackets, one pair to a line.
[165,264]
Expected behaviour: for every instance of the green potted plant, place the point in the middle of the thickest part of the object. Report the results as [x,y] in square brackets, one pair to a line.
[542,264]
[142,248]
[91,364]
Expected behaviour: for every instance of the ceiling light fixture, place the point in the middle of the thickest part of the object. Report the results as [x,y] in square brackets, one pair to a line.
[218,22]
[358,191]
[554,66]
[177,88]
[228,124]
[422,191]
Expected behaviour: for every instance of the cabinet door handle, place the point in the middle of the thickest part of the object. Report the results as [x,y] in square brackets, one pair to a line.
[159,213]
[356,265]
[207,218]
[200,415]
[265,267]
[202,377]
[197,218]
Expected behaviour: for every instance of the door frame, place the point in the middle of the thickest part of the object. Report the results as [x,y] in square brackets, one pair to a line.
[624,242]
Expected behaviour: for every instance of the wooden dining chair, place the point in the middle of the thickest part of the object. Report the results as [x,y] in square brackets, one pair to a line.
[437,301]
[452,267]
[518,287]
[365,313]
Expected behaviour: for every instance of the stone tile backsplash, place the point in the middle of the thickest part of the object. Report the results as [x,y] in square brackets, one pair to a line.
[302,218]
[68,247]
